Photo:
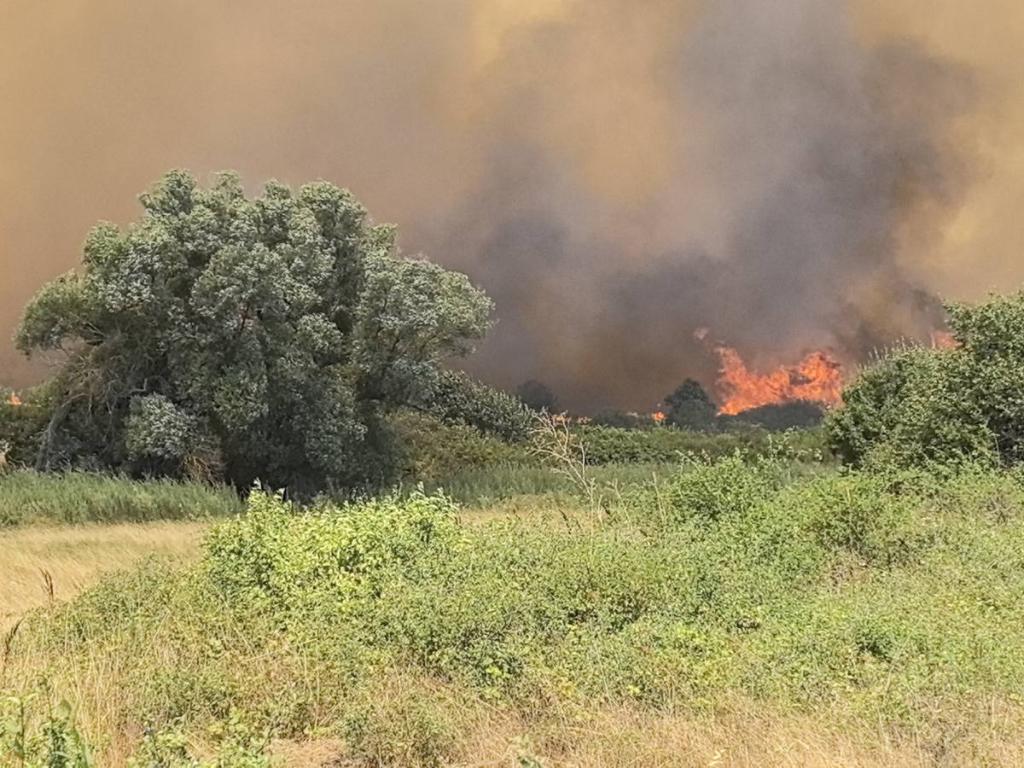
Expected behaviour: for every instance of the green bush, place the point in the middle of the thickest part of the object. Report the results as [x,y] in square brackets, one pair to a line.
[916,407]
[460,399]
[729,485]
[399,721]
[612,445]
[778,417]
[22,425]
[35,733]
[433,451]
[331,558]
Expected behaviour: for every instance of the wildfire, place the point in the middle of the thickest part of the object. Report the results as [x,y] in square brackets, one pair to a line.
[658,417]
[817,378]
[943,340]
[14,400]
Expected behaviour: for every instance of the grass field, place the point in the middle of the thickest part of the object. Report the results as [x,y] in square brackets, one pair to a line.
[730,614]
[43,564]
[80,497]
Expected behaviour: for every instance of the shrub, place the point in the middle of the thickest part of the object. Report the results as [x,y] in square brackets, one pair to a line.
[277,555]
[460,399]
[435,451]
[399,721]
[622,420]
[611,445]
[916,407]
[707,490]
[46,738]
[894,596]
[911,408]
[22,425]
[779,417]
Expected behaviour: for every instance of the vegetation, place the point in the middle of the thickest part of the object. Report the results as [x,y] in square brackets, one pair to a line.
[798,414]
[533,589]
[690,407]
[537,396]
[459,399]
[622,420]
[433,450]
[80,497]
[610,445]
[397,631]
[22,421]
[918,407]
[226,337]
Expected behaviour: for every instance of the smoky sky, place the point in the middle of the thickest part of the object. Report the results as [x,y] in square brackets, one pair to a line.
[790,174]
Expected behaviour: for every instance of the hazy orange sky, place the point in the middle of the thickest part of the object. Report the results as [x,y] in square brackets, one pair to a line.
[790,173]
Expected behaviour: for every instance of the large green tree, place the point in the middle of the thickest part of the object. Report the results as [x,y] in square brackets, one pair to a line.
[253,338]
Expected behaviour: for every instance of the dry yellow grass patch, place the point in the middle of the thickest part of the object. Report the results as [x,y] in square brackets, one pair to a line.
[72,558]
[625,738]
[746,737]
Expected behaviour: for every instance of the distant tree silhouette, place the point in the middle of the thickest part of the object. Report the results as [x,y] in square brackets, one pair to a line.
[690,407]
[537,396]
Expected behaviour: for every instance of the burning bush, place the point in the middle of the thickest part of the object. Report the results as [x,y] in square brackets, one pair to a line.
[23,418]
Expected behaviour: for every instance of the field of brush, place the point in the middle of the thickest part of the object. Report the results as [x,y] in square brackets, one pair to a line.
[726,611]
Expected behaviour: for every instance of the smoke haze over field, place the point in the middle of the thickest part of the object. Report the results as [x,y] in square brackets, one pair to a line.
[792,174]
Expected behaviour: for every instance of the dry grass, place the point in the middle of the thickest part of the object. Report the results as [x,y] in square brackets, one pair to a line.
[746,737]
[41,564]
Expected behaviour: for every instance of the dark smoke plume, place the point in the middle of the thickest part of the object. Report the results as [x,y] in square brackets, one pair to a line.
[615,174]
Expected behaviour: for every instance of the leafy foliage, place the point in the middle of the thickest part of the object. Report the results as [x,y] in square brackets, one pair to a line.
[799,414]
[892,595]
[622,420]
[611,445]
[253,338]
[942,406]
[459,399]
[435,451]
[690,407]
[48,741]
[22,424]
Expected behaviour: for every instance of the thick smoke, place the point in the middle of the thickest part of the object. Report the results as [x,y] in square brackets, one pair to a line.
[791,174]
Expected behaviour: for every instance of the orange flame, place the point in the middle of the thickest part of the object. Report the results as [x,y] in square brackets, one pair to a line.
[817,378]
[943,340]
[14,400]
[658,417]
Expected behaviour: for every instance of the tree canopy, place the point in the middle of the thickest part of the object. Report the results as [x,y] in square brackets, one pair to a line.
[690,407]
[250,338]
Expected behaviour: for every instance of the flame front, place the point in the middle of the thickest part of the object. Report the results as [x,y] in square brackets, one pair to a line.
[943,340]
[817,378]
[14,400]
